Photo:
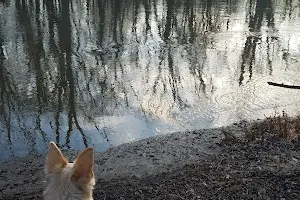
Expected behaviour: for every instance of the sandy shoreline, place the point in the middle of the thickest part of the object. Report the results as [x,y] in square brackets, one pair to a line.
[151,161]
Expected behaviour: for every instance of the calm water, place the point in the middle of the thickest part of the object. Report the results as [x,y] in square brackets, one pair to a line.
[102,72]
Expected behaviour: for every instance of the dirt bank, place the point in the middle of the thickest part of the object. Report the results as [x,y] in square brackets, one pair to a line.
[206,164]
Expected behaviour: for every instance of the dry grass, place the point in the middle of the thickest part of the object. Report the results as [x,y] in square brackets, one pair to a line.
[280,125]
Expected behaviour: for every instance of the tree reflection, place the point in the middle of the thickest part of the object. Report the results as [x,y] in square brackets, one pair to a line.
[170,19]
[263,9]
[6,103]
[288,9]
[53,13]
[66,50]
[62,53]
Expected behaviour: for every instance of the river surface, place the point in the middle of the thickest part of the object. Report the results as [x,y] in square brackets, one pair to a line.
[101,72]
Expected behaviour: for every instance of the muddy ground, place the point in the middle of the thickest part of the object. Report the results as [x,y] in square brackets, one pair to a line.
[208,164]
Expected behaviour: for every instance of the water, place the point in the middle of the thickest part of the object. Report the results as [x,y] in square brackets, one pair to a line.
[102,73]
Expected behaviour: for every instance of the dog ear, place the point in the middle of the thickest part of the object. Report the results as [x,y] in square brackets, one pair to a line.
[55,159]
[84,164]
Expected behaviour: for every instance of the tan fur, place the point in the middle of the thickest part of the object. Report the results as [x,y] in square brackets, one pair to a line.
[69,181]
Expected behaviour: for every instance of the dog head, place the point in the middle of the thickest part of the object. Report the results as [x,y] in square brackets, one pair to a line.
[69,181]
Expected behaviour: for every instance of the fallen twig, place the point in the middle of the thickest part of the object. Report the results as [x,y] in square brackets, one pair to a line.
[284,85]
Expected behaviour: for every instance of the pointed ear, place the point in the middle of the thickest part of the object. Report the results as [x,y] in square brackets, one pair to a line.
[55,159]
[84,164]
